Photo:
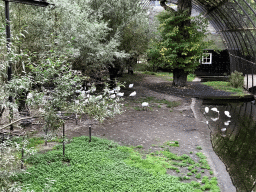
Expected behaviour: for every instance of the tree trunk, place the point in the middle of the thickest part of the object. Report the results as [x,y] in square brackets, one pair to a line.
[179,77]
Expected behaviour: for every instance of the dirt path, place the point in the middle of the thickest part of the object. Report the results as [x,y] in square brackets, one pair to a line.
[151,128]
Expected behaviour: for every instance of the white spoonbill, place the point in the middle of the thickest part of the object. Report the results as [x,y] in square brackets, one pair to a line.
[120,94]
[227,122]
[131,85]
[133,94]
[144,104]
[223,129]
[112,96]
[112,91]
[215,109]
[227,113]
[215,119]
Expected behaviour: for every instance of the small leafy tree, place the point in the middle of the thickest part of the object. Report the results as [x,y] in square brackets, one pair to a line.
[130,21]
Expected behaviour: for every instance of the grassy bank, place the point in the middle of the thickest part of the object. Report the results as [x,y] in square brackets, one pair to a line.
[168,76]
[225,86]
[103,165]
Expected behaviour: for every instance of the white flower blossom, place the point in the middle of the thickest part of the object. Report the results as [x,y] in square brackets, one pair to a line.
[112,96]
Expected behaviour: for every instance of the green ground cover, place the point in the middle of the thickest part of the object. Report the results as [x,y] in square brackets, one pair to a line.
[225,86]
[168,76]
[103,165]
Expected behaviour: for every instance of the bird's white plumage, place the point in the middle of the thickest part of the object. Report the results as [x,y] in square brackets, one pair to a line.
[227,122]
[227,113]
[215,119]
[206,109]
[144,104]
[223,129]
[131,85]
[133,94]
[120,94]
[215,109]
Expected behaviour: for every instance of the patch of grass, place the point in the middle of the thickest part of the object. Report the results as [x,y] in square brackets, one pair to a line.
[191,152]
[159,106]
[138,108]
[172,143]
[169,76]
[169,104]
[148,73]
[191,77]
[199,147]
[32,142]
[103,165]
[171,110]
[203,162]
[210,184]
[189,174]
[186,178]
[198,176]
[225,86]
[139,147]
[191,167]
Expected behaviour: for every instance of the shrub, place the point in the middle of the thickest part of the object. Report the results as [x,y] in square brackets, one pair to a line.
[236,79]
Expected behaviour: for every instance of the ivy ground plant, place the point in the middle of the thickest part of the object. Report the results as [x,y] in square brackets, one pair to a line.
[103,165]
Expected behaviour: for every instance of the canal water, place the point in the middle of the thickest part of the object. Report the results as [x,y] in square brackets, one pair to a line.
[233,135]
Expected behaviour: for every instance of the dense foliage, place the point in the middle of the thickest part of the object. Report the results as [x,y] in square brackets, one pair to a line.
[177,50]
[103,165]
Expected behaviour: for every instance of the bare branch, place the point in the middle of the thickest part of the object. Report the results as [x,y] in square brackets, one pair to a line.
[166,7]
[16,122]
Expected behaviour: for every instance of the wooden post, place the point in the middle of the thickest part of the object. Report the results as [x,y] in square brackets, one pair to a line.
[90,133]
[63,139]
[22,155]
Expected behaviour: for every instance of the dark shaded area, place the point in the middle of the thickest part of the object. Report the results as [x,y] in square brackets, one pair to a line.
[220,65]
[193,89]
[236,145]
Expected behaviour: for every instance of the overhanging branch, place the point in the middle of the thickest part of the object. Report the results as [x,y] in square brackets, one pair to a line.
[166,7]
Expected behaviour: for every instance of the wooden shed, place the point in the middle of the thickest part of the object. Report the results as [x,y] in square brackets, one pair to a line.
[214,63]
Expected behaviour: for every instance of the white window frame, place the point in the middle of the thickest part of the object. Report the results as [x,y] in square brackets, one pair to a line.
[206,55]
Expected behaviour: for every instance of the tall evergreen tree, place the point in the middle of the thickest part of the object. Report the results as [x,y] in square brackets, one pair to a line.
[182,40]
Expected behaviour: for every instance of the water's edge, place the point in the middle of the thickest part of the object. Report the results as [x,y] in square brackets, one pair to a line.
[218,167]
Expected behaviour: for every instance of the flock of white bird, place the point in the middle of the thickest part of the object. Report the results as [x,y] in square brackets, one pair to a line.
[215,119]
[114,93]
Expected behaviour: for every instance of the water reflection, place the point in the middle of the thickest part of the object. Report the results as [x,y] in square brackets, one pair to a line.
[234,140]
